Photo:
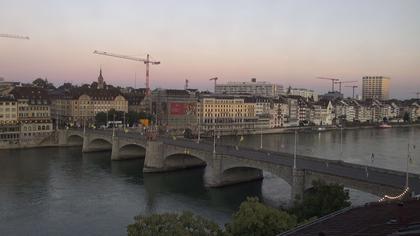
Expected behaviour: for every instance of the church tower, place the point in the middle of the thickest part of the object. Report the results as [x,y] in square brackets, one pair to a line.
[101,83]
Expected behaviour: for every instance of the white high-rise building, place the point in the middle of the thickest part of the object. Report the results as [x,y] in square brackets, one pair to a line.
[263,88]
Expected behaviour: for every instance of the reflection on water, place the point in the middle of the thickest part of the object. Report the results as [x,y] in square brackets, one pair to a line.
[60,191]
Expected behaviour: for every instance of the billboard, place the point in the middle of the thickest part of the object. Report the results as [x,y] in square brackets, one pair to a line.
[178,108]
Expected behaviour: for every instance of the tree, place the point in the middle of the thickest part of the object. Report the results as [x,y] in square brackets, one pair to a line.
[43,83]
[101,119]
[320,200]
[94,85]
[66,86]
[406,117]
[254,218]
[185,224]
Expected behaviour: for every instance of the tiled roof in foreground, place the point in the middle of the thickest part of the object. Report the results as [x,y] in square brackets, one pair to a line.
[373,219]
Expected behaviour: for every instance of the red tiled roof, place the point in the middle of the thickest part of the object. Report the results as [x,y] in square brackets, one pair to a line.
[373,219]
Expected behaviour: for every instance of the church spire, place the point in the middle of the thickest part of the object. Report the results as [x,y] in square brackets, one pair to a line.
[100,80]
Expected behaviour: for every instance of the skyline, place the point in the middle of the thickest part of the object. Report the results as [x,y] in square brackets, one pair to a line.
[286,42]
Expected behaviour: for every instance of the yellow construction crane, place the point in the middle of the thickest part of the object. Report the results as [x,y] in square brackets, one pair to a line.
[146,61]
[13,36]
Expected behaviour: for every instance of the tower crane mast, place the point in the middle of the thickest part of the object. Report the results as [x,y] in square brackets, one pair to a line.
[353,87]
[333,81]
[215,82]
[344,82]
[146,61]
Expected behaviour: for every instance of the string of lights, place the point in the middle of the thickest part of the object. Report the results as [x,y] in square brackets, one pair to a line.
[386,197]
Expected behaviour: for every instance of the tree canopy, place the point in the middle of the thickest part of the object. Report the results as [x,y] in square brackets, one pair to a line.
[169,224]
[257,219]
[43,83]
[320,200]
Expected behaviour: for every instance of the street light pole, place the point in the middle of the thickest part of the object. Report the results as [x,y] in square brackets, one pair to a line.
[295,150]
[341,140]
[199,124]
[261,137]
[214,134]
[406,171]
[113,127]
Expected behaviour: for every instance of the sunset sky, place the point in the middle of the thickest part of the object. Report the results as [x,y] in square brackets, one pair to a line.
[287,42]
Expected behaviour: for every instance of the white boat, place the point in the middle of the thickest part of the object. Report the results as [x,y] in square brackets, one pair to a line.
[383,126]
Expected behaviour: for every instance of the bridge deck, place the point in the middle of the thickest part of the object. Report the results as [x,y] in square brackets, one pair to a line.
[364,173]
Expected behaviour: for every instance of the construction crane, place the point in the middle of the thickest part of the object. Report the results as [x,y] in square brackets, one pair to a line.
[333,80]
[418,94]
[146,61]
[14,36]
[215,79]
[344,82]
[352,86]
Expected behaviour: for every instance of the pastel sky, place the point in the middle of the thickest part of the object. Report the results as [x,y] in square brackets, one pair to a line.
[287,42]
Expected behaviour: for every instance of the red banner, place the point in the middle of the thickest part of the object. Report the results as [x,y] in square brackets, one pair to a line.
[178,108]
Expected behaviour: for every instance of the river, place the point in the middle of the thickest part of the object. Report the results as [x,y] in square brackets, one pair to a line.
[62,191]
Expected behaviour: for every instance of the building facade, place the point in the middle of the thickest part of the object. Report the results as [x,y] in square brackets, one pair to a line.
[34,114]
[265,89]
[375,87]
[175,109]
[226,115]
[9,125]
[79,107]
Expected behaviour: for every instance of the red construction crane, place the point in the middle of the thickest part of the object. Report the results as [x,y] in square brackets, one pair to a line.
[14,36]
[146,61]
[333,80]
[352,86]
[344,82]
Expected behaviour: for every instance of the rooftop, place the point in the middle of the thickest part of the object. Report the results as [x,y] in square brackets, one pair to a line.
[389,218]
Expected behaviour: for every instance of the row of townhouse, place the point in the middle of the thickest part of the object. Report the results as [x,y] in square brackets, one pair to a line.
[25,116]
[374,111]
[78,107]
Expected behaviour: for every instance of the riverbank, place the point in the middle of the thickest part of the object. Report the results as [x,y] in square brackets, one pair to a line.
[308,129]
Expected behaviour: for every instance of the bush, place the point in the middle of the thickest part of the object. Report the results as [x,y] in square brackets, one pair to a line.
[185,224]
[254,218]
[321,200]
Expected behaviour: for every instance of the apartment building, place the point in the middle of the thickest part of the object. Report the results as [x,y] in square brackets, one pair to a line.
[375,87]
[255,88]
[80,105]
[226,114]
[34,113]
[305,93]
[9,125]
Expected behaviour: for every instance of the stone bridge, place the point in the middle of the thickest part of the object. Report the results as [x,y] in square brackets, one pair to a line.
[230,165]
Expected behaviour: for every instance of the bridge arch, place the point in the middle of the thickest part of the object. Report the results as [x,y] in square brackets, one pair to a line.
[75,139]
[183,161]
[131,150]
[98,144]
[283,172]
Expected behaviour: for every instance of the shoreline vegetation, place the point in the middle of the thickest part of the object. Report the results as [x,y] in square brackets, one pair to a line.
[252,218]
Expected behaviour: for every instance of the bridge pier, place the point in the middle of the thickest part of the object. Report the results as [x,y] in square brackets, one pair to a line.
[154,160]
[62,137]
[298,185]
[115,153]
